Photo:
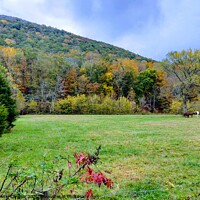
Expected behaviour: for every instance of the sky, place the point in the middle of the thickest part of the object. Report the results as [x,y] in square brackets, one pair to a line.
[151,28]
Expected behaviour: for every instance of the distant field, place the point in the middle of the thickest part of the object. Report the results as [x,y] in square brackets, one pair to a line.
[147,156]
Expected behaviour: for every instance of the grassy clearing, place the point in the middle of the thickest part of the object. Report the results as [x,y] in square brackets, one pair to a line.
[147,156]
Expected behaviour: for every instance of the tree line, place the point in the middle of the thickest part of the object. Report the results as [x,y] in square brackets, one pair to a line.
[41,82]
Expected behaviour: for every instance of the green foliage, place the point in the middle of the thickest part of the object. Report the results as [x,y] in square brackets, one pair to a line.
[125,106]
[108,106]
[147,89]
[63,106]
[184,67]
[20,102]
[3,119]
[6,99]
[32,107]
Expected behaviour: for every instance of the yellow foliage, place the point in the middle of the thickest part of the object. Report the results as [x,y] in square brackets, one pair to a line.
[176,107]
[107,89]
[170,184]
[126,65]
[9,41]
[82,70]
[32,106]
[130,65]
[8,52]
[108,77]
[4,21]
[149,64]
[161,77]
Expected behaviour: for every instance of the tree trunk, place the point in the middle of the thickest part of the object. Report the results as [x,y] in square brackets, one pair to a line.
[184,104]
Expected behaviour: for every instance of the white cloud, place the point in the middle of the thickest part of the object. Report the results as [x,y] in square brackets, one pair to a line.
[53,13]
[179,28]
[176,26]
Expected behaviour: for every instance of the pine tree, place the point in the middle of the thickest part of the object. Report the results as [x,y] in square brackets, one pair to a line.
[3,119]
[8,104]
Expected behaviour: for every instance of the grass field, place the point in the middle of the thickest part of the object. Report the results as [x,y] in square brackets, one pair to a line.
[147,156]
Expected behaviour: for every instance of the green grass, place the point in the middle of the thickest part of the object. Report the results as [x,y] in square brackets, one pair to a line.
[147,156]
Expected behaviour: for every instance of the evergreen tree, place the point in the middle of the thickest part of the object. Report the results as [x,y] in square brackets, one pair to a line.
[3,119]
[7,103]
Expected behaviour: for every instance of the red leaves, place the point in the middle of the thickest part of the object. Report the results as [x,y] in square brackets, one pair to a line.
[83,162]
[81,159]
[109,183]
[89,194]
[96,177]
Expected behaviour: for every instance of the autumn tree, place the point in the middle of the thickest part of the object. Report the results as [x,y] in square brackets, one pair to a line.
[71,86]
[124,72]
[184,67]
[7,58]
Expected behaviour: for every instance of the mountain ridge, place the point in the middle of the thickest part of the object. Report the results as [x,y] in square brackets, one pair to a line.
[20,33]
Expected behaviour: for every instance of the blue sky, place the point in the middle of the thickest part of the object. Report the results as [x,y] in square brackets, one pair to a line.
[151,28]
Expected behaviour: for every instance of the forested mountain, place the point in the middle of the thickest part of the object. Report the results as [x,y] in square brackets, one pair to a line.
[18,33]
[53,71]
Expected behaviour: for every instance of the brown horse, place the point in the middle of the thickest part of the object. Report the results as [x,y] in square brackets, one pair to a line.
[188,114]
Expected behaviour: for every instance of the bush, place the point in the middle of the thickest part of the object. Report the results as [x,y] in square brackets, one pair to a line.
[176,107]
[63,106]
[3,119]
[94,102]
[32,107]
[94,105]
[124,106]
[20,102]
[50,181]
[108,106]
[79,104]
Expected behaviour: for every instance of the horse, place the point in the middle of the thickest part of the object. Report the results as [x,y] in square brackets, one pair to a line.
[196,113]
[188,114]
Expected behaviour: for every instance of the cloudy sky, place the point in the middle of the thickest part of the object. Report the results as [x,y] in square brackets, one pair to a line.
[150,28]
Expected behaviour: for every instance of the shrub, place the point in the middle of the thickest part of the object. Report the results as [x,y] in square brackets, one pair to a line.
[47,181]
[32,107]
[176,107]
[20,102]
[63,106]
[94,102]
[79,104]
[94,105]
[124,105]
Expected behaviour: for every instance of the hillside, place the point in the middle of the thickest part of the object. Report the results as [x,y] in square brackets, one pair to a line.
[54,71]
[18,33]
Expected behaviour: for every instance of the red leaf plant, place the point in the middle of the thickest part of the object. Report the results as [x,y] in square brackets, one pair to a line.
[83,163]
[82,159]
[96,177]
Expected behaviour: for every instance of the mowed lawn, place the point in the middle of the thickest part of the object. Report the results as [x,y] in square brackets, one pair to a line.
[147,156]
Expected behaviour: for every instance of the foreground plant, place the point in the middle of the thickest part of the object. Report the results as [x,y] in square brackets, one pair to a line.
[51,183]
